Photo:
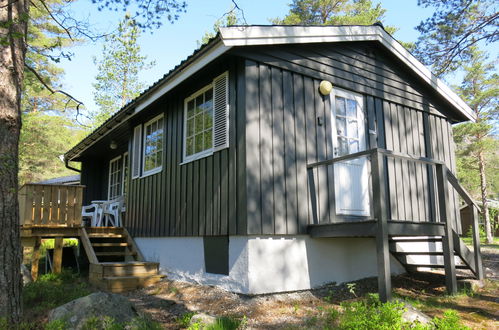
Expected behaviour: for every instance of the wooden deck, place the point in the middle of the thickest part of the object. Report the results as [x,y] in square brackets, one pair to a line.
[54,212]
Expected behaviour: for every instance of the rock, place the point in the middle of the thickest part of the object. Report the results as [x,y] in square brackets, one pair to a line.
[203,319]
[98,304]
[469,284]
[412,314]
[26,274]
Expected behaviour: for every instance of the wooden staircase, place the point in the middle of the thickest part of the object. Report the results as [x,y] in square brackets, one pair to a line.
[116,263]
[427,251]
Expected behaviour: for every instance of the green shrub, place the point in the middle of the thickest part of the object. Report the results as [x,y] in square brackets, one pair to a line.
[370,313]
[449,321]
[52,290]
[184,320]
[56,325]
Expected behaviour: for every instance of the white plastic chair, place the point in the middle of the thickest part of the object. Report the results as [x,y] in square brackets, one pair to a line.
[112,212]
[92,212]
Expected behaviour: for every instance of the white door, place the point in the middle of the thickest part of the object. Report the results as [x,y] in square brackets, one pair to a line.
[351,178]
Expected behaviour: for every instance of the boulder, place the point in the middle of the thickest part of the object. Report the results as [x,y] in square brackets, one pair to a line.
[412,314]
[98,304]
[203,319]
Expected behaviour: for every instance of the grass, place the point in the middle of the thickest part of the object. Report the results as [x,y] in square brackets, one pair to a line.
[52,290]
[493,245]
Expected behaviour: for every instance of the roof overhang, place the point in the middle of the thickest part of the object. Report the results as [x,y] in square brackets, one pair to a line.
[193,64]
[276,35]
[239,36]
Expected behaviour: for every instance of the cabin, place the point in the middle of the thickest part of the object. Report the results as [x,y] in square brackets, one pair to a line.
[281,158]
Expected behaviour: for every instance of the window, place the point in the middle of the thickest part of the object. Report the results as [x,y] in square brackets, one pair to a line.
[125,173]
[206,120]
[115,179]
[153,146]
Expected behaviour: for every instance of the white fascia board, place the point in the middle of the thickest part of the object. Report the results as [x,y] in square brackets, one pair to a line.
[192,68]
[274,35]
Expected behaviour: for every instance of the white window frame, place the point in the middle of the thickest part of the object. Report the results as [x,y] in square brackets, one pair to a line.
[120,163]
[124,164]
[207,152]
[136,162]
[144,132]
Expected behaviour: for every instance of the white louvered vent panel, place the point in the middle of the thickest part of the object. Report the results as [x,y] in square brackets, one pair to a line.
[136,151]
[221,112]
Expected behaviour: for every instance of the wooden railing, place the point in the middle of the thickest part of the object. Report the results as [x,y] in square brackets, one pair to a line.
[50,205]
[380,209]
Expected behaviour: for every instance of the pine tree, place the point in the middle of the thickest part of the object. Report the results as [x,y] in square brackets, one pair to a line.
[456,25]
[476,144]
[334,12]
[117,82]
[229,19]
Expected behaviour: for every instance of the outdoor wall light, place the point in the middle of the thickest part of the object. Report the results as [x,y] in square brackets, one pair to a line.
[325,87]
[113,145]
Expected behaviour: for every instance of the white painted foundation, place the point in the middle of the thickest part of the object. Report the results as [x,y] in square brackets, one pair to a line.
[265,264]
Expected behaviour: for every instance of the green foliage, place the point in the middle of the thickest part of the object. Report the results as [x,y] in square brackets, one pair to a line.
[56,325]
[334,12]
[52,290]
[117,81]
[370,313]
[449,321]
[229,19]
[184,320]
[109,323]
[222,323]
[455,27]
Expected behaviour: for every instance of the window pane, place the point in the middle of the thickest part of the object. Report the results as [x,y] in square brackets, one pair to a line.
[341,126]
[199,143]
[199,104]
[340,106]
[190,108]
[208,99]
[159,158]
[353,128]
[208,118]
[208,140]
[190,127]
[189,150]
[199,123]
[351,108]
[342,148]
[354,146]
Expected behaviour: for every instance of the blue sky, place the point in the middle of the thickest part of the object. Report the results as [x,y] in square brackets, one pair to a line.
[172,43]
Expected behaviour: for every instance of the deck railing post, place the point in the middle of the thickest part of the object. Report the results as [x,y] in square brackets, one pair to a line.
[447,240]
[380,213]
[476,243]
[313,196]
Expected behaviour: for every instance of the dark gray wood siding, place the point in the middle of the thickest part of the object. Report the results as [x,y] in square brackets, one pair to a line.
[205,197]
[283,134]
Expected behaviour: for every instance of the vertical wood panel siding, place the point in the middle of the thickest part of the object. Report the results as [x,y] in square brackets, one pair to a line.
[282,94]
[201,197]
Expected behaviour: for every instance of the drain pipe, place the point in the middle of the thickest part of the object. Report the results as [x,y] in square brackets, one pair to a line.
[66,163]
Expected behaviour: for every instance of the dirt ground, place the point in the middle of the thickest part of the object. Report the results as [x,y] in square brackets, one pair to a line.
[169,300]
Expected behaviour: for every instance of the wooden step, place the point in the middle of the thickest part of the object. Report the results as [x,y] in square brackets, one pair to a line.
[127,283]
[129,268]
[109,244]
[106,235]
[104,229]
[114,253]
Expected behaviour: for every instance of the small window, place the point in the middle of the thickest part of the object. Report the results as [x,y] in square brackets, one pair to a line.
[153,146]
[206,120]
[115,178]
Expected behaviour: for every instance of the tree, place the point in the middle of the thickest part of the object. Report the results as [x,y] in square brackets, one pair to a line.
[456,25]
[229,19]
[47,129]
[334,12]
[117,82]
[475,141]
[14,19]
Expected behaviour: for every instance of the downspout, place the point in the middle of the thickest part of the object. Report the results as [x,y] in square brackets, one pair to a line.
[66,163]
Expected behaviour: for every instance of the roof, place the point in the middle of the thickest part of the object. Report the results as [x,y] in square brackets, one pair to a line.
[241,36]
[67,180]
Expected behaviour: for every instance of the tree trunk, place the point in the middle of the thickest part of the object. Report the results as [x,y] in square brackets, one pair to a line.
[485,206]
[13,27]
